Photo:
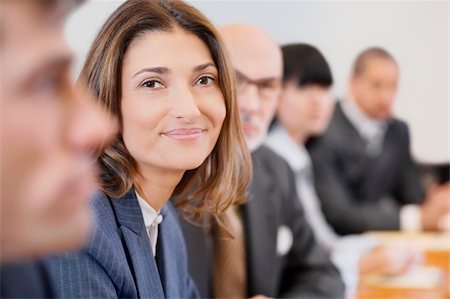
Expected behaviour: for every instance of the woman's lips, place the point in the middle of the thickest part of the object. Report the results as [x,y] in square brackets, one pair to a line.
[249,128]
[184,134]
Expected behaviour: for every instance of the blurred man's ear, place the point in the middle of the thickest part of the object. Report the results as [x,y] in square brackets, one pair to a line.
[350,85]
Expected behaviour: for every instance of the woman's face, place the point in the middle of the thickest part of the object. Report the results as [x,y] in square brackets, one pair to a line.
[305,109]
[172,105]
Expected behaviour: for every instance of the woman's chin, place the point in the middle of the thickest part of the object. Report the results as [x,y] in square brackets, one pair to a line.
[189,164]
[193,166]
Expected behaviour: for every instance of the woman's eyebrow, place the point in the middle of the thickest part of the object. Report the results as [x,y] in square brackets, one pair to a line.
[159,70]
[201,67]
[163,70]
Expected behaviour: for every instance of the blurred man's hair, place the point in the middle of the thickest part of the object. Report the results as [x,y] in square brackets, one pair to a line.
[367,55]
[60,8]
[67,5]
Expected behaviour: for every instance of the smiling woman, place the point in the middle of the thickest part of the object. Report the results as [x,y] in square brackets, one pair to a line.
[184,31]
[172,105]
[160,67]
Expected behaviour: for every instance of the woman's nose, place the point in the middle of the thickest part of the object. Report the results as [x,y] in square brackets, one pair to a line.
[185,105]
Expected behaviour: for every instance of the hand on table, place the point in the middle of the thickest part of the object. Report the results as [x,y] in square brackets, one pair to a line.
[393,259]
[436,208]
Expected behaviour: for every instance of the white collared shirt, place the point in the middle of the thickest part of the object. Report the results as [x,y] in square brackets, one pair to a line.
[151,221]
[371,130]
[298,159]
[367,127]
[346,251]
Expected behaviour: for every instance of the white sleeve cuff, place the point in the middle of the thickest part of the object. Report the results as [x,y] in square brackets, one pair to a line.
[410,218]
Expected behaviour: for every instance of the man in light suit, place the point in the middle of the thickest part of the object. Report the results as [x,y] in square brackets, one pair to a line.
[48,130]
[282,257]
[365,176]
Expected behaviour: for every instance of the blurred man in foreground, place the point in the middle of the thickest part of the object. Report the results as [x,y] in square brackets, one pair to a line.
[49,129]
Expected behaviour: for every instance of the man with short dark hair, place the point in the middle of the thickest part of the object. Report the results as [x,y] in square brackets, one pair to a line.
[365,176]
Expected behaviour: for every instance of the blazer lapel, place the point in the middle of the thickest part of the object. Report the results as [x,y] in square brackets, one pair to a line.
[382,167]
[260,212]
[137,246]
[373,168]
[351,135]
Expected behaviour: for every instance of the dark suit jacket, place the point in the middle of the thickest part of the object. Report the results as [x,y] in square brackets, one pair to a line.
[118,260]
[25,280]
[304,271]
[359,192]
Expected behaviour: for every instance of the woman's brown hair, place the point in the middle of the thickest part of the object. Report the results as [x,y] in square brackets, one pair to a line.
[224,176]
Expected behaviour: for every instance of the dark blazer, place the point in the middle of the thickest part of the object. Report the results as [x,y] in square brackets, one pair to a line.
[118,261]
[273,208]
[28,279]
[359,192]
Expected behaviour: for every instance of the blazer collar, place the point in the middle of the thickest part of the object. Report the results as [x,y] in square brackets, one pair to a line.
[136,241]
[366,126]
[341,123]
[128,212]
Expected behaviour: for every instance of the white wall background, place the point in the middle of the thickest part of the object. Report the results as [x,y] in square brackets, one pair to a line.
[415,32]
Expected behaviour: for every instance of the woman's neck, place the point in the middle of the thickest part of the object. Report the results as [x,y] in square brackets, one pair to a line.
[156,185]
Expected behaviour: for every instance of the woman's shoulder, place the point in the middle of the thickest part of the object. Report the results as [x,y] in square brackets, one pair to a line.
[105,222]
[105,240]
[99,200]
[101,264]
[101,206]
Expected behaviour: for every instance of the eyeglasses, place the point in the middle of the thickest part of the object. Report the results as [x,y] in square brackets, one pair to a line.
[267,87]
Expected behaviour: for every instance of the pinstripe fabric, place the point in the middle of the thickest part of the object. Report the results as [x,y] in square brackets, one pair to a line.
[118,262]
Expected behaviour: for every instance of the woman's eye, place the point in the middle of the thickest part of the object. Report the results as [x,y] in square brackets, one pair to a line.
[152,84]
[205,80]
